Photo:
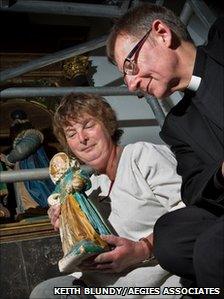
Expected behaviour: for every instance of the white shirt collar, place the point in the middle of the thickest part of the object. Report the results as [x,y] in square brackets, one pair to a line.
[194,83]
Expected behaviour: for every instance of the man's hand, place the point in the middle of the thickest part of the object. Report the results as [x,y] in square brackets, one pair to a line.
[54,212]
[126,253]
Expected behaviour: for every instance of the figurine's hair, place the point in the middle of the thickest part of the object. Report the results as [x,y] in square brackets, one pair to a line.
[74,106]
[20,123]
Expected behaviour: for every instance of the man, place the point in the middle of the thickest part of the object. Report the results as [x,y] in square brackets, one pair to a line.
[152,49]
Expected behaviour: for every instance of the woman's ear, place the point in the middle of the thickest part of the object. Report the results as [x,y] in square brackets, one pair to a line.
[162,33]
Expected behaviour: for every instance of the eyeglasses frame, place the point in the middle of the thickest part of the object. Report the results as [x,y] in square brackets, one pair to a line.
[136,48]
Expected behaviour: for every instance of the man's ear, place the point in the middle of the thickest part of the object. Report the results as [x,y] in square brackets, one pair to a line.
[162,33]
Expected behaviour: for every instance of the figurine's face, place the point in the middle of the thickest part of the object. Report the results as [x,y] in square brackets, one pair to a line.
[89,141]
[59,164]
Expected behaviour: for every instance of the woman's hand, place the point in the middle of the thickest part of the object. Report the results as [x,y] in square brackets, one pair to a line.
[54,212]
[126,253]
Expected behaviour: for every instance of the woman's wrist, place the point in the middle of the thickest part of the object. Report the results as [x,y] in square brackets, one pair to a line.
[148,249]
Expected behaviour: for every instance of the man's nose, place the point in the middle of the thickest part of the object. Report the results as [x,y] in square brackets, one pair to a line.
[132,82]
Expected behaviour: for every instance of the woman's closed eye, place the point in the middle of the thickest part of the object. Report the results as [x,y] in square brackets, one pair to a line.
[89,125]
[71,134]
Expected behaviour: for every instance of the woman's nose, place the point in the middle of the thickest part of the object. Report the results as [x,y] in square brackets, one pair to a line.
[82,137]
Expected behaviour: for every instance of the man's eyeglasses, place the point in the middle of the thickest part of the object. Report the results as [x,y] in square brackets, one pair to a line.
[130,65]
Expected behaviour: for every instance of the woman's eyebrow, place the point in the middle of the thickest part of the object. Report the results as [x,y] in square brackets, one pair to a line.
[83,123]
[69,129]
[87,120]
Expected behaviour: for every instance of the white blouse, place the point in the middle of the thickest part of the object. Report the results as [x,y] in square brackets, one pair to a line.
[146,187]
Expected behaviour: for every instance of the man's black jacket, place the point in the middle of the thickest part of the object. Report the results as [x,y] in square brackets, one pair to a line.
[194,128]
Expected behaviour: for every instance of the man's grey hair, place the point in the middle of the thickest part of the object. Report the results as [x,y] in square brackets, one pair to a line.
[138,20]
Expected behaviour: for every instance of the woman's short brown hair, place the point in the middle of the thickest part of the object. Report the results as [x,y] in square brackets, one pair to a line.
[73,106]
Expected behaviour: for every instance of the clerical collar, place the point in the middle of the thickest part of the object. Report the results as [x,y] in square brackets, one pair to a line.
[194,83]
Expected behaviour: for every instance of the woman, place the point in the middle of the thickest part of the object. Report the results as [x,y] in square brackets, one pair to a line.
[141,181]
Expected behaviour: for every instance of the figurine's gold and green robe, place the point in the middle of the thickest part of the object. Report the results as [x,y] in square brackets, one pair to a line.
[80,223]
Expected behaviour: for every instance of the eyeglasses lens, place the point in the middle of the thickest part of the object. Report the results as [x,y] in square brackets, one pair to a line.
[130,68]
